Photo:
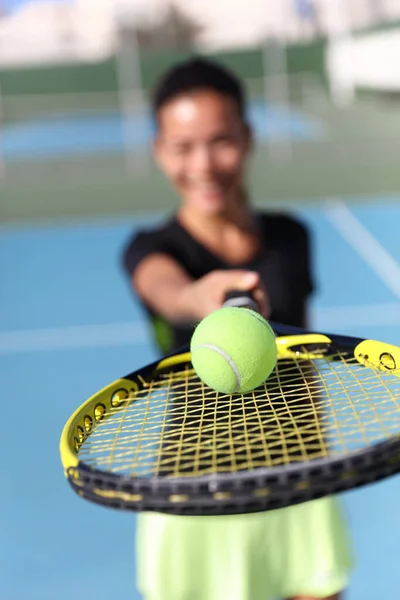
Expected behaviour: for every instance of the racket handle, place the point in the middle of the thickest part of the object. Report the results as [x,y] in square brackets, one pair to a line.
[241,299]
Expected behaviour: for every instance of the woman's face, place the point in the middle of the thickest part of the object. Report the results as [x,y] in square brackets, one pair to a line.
[202,146]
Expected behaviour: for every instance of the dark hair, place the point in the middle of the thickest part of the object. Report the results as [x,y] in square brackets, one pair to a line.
[197,74]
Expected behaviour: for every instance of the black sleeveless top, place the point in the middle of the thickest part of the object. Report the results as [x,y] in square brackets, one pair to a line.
[283,264]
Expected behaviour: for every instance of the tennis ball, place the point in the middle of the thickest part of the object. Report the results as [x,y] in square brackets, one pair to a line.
[233,350]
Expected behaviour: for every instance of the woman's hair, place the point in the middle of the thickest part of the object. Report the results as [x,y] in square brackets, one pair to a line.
[198,74]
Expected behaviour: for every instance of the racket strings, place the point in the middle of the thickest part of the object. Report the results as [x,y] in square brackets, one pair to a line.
[307,409]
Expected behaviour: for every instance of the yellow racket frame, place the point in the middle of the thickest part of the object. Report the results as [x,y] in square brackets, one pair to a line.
[370,353]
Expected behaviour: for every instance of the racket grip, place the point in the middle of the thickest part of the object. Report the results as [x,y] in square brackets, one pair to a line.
[242,299]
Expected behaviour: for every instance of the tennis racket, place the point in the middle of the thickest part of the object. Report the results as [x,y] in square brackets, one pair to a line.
[325,421]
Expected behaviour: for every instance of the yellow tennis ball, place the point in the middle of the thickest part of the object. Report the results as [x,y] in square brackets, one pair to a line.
[233,350]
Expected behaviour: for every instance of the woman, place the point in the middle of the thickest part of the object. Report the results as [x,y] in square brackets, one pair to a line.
[181,271]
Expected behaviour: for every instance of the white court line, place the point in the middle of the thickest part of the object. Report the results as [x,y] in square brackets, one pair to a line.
[364,243]
[137,333]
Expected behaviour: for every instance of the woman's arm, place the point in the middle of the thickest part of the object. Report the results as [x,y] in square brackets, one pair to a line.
[168,289]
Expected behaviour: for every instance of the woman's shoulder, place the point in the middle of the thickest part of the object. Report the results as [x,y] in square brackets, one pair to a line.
[153,237]
[281,223]
[153,231]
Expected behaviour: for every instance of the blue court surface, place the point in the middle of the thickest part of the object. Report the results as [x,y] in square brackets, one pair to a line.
[69,325]
[105,132]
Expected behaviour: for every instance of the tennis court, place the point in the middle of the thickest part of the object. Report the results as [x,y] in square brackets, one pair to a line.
[70,325]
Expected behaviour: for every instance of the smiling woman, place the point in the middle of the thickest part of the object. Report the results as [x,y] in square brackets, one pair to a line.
[202,146]
[181,272]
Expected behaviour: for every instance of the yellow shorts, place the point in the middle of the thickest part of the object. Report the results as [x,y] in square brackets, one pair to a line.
[303,549]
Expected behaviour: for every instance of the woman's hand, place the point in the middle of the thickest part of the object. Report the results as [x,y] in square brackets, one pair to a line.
[201,297]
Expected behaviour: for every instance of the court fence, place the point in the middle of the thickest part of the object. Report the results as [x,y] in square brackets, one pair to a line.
[38,128]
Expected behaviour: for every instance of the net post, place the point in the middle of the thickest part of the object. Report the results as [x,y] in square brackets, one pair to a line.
[2,150]
[339,44]
[276,92]
[130,93]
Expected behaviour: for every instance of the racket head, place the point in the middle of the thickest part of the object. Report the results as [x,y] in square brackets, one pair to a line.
[326,420]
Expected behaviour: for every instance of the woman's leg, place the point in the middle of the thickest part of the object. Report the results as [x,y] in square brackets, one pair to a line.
[312,558]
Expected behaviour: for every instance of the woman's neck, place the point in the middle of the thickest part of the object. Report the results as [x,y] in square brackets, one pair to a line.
[234,236]
[238,215]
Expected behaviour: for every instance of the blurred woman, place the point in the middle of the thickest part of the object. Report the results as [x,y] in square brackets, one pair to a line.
[180,271]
